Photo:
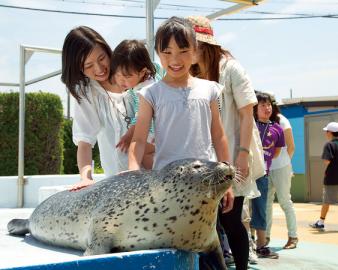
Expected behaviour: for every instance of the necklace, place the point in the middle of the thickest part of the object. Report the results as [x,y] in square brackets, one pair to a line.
[127,119]
[265,130]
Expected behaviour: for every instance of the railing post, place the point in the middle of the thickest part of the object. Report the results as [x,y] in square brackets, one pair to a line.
[21,163]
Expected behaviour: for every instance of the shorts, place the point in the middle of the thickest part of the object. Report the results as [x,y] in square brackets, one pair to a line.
[330,194]
[258,205]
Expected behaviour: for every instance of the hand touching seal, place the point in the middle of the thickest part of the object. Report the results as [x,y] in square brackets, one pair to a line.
[81,184]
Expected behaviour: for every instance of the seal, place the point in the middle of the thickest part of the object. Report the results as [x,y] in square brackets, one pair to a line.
[175,207]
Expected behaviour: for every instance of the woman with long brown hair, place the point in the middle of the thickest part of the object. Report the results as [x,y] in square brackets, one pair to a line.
[237,100]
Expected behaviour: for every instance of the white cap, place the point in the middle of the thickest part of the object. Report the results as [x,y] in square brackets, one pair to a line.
[332,126]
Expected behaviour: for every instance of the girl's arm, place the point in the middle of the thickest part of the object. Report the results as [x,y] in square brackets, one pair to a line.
[222,151]
[84,163]
[218,137]
[138,143]
[290,143]
[277,152]
[246,125]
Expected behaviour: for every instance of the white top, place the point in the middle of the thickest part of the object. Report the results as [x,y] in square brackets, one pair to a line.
[283,159]
[237,93]
[101,119]
[182,118]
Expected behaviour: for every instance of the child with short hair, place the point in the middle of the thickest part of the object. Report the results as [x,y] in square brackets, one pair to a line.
[330,158]
[133,69]
[184,108]
[272,138]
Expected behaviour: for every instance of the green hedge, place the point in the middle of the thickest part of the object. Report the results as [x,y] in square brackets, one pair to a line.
[43,133]
[70,149]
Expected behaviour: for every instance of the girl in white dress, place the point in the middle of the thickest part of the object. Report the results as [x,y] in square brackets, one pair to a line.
[185,109]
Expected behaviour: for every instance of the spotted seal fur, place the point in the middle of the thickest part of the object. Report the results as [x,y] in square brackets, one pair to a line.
[175,207]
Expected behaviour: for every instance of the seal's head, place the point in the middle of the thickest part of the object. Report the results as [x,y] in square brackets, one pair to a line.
[211,178]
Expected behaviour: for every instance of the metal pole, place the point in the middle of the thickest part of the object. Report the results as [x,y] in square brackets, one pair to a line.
[68,105]
[21,181]
[150,27]
[44,77]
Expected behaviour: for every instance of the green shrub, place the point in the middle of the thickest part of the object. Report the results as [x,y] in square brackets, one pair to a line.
[70,149]
[43,133]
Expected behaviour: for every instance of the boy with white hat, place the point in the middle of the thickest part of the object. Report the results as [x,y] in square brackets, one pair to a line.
[330,188]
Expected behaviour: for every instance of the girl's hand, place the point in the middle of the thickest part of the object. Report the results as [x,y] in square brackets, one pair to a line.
[125,140]
[82,184]
[228,201]
[124,143]
[242,163]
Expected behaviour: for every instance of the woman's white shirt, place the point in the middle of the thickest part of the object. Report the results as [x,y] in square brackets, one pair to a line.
[101,118]
[237,93]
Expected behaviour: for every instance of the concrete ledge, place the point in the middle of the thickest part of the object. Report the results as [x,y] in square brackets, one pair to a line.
[46,192]
[166,259]
[8,187]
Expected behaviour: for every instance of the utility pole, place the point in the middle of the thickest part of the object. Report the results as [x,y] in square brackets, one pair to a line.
[290,92]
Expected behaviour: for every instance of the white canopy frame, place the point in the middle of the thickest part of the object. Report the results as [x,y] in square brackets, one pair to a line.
[151,5]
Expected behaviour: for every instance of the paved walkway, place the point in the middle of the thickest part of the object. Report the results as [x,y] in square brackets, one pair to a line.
[316,250]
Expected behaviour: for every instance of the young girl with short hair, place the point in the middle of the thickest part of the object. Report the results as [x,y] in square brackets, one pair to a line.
[272,138]
[133,69]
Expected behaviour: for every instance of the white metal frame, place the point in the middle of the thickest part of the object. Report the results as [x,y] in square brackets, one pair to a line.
[152,4]
[26,53]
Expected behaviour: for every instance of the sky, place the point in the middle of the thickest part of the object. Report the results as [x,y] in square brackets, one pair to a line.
[288,56]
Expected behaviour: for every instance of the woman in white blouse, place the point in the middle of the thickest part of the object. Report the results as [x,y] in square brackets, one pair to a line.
[103,110]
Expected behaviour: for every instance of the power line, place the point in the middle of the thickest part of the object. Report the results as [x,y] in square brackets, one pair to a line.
[141,4]
[334,16]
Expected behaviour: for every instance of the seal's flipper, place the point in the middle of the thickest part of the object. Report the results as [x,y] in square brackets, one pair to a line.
[97,248]
[18,226]
[212,260]
[99,242]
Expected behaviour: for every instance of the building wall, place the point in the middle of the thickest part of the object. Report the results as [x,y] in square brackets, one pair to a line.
[295,114]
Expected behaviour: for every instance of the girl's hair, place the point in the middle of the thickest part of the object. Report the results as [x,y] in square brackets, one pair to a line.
[265,97]
[78,44]
[211,56]
[131,56]
[180,29]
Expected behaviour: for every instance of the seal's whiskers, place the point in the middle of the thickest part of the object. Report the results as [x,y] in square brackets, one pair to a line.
[208,177]
[239,180]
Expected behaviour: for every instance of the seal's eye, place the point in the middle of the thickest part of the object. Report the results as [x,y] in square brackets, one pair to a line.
[197,166]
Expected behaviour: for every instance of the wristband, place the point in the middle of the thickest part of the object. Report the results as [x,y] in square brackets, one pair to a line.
[243,149]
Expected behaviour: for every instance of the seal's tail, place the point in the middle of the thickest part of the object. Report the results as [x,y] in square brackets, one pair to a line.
[18,226]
